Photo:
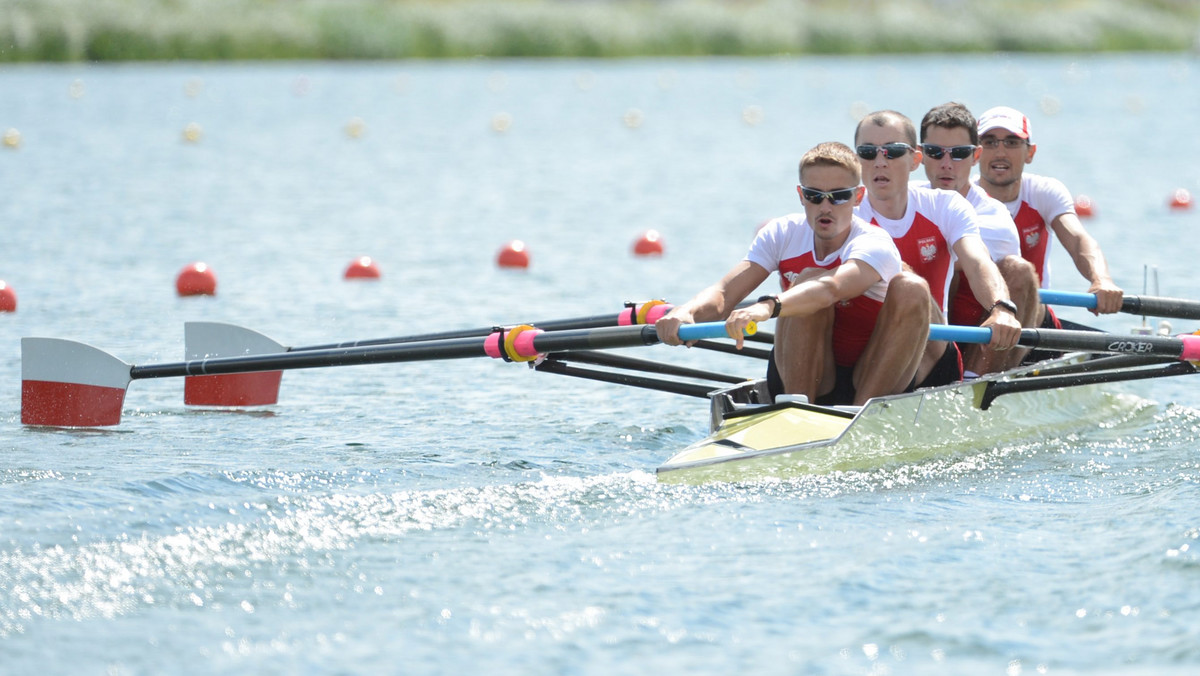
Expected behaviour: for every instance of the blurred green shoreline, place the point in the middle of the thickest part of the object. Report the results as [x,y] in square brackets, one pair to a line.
[145,30]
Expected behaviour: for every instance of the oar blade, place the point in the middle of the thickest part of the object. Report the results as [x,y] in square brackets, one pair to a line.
[205,340]
[70,384]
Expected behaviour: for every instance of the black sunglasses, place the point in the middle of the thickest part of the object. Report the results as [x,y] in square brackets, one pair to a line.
[957,153]
[892,151]
[835,196]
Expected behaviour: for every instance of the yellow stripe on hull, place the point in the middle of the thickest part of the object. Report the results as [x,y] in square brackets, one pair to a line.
[774,429]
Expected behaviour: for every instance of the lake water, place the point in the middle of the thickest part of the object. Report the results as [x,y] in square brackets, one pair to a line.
[477,517]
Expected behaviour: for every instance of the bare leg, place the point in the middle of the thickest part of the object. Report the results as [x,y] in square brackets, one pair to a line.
[891,357]
[804,353]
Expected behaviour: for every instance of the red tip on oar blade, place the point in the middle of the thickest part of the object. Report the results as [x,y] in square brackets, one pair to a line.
[69,384]
[70,404]
[203,340]
[237,389]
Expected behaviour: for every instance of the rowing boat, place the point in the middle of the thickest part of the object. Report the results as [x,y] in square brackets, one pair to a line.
[791,437]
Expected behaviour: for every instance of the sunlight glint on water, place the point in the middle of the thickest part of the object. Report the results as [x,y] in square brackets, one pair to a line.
[474,516]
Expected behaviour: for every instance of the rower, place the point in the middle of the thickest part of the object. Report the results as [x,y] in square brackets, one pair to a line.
[932,229]
[1040,205]
[950,144]
[834,272]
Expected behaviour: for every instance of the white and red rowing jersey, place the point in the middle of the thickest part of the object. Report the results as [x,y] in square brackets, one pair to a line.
[932,224]
[999,234]
[1040,200]
[787,245]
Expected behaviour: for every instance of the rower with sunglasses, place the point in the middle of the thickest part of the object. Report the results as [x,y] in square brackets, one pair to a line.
[932,230]
[1040,205]
[950,144]
[834,272]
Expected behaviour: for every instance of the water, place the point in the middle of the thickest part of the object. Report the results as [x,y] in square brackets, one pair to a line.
[477,517]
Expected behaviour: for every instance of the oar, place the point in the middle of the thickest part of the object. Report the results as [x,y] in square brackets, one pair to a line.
[1150,306]
[215,339]
[1184,348]
[634,313]
[69,384]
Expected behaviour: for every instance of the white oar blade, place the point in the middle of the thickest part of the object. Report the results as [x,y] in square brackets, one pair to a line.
[70,384]
[204,340]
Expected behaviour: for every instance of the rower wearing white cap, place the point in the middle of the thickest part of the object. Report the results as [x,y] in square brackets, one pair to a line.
[1039,205]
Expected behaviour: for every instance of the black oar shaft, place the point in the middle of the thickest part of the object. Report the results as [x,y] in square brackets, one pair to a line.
[630,314]
[1152,306]
[1094,341]
[460,348]
[595,322]
[455,348]
[1182,347]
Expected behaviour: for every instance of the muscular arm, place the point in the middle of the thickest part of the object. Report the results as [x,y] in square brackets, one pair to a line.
[989,287]
[815,292]
[1089,260]
[714,302]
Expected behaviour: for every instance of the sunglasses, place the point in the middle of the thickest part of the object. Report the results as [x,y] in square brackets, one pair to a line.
[836,197]
[1010,142]
[892,151]
[957,153]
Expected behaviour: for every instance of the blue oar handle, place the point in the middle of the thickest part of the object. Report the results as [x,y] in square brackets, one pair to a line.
[1068,298]
[959,334]
[1152,306]
[708,330]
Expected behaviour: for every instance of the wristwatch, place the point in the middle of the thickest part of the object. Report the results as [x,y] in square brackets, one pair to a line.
[1006,304]
[774,299]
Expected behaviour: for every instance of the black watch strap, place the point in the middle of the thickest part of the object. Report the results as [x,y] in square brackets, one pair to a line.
[1006,304]
[774,299]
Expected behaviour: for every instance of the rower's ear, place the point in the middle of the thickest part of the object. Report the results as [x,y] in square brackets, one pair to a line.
[1029,153]
[859,193]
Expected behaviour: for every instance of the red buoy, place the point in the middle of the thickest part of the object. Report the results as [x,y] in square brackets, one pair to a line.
[1084,207]
[8,298]
[1180,199]
[362,268]
[513,255]
[649,244]
[196,279]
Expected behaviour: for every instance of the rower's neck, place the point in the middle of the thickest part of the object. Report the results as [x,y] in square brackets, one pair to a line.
[892,208]
[823,248]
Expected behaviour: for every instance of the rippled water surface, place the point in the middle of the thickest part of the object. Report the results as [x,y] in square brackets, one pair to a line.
[473,516]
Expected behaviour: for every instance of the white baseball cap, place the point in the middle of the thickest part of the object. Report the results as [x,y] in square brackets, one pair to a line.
[1003,117]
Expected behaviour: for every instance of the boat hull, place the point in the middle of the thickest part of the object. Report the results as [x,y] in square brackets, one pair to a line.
[790,439]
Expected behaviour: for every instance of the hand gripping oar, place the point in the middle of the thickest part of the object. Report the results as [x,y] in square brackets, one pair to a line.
[70,384]
[1150,306]
[1184,348]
